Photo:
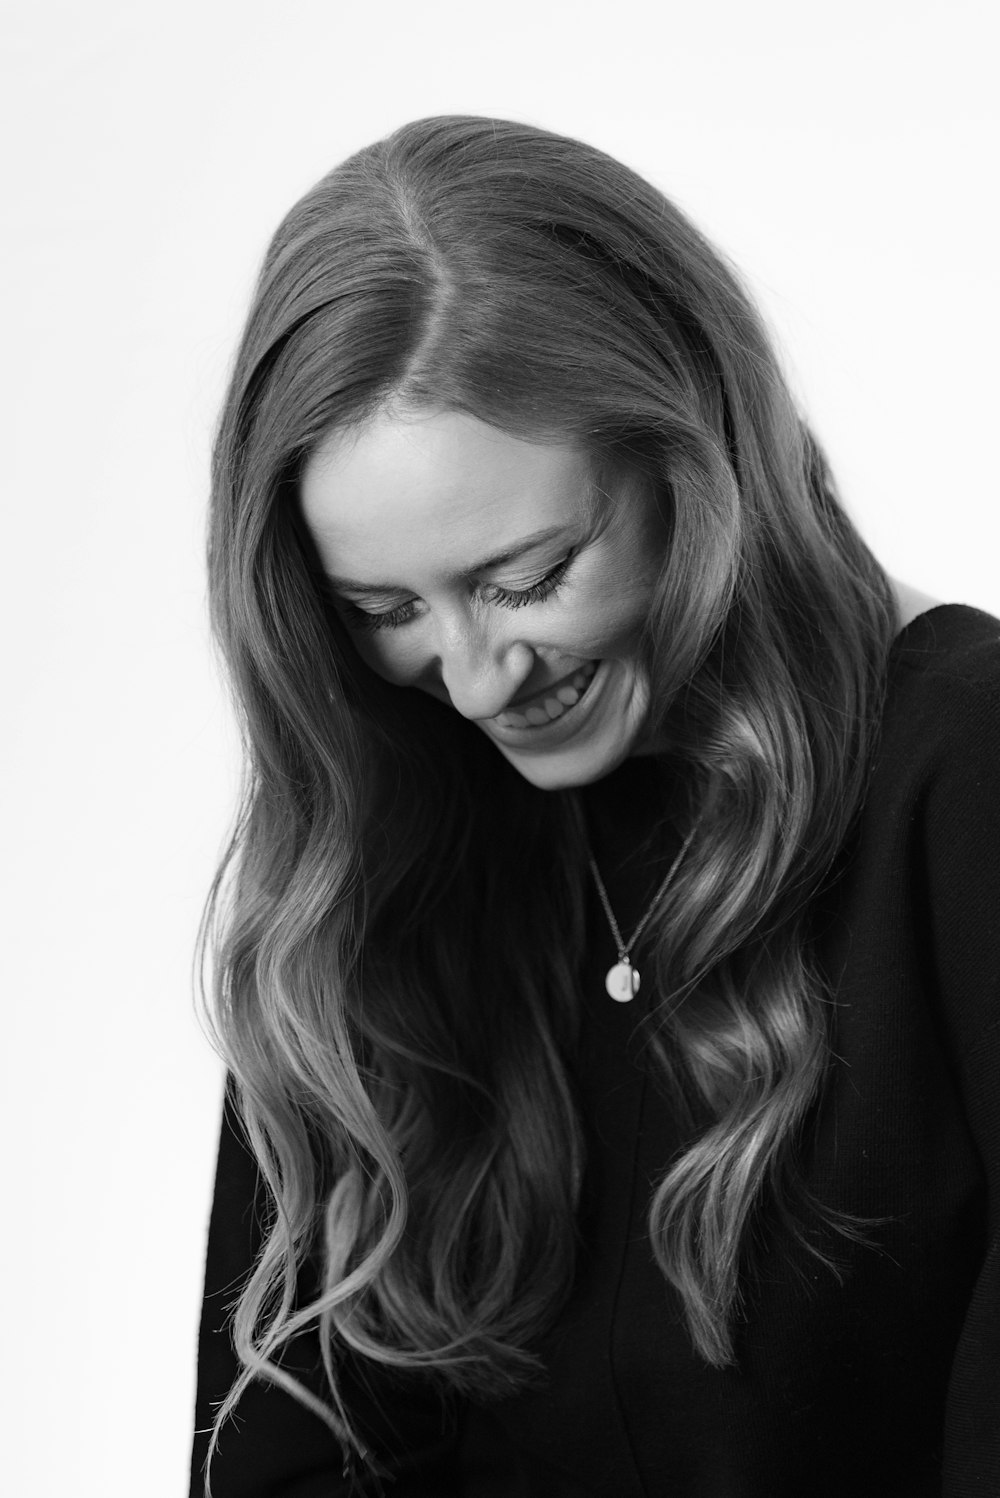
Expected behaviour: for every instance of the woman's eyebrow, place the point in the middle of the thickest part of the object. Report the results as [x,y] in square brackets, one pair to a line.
[499,559]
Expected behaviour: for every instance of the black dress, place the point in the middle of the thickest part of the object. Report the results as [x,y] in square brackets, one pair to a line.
[886,1382]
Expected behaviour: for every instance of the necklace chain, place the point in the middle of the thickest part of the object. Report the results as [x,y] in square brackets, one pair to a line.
[622,981]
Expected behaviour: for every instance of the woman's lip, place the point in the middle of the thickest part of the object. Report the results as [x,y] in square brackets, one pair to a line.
[547,736]
[548,690]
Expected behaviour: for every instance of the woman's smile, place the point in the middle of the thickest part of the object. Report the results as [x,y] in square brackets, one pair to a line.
[473,564]
[549,704]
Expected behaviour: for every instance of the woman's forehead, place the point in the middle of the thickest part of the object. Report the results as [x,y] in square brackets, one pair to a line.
[441,479]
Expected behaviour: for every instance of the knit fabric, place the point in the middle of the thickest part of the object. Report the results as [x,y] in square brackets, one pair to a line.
[883,1379]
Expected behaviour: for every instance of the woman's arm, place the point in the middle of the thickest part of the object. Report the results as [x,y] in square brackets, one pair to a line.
[963,862]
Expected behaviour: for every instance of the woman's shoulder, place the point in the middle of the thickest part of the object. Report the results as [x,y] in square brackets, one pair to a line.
[948,645]
[932,815]
[941,719]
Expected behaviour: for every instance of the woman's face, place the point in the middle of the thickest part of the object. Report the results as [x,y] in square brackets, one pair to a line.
[477,567]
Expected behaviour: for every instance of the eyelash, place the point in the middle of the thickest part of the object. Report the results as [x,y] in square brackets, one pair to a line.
[508,598]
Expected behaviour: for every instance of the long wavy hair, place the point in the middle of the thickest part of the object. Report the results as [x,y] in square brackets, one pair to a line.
[403,1067]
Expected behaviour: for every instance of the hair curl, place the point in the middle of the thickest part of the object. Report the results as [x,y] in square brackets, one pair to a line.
[403,1074]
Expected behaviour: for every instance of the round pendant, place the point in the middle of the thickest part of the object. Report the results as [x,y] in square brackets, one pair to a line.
[622,982]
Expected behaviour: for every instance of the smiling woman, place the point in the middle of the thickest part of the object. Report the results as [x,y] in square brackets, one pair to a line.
[565,679]
[549,608]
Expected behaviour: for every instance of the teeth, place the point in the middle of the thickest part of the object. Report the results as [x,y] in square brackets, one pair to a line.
[553,707]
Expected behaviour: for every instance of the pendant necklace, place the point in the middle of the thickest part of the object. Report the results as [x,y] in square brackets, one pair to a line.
[622,981]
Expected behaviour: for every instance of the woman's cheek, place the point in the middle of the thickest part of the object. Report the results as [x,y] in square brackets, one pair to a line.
[612,629]
[386,658]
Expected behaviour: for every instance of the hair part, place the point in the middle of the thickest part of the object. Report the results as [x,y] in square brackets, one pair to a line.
[405,1076]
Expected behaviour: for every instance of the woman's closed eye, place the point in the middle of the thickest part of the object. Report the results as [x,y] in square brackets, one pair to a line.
[508,598]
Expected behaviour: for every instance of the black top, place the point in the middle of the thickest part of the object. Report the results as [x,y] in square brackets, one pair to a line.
[884,1383]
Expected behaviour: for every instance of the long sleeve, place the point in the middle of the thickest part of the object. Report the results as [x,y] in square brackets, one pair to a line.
[963,861]
[274,1447]
[972,1438]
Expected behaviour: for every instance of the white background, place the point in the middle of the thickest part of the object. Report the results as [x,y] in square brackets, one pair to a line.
[843,155]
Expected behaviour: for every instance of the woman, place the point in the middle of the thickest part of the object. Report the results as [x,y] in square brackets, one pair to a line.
[607,967]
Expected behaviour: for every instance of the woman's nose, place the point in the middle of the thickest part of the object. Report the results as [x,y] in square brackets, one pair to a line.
[482,674]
